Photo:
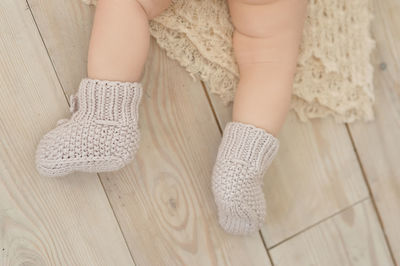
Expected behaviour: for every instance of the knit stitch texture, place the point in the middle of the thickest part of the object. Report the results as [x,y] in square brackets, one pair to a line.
[243,157]
[102,134]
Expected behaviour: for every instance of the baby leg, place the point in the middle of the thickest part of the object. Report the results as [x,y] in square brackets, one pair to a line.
[103,132]
[266,45]
[266,42]
[120,38]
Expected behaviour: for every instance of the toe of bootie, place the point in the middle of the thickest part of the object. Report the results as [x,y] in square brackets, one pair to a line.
[239,225]
[52,160]
[239,218]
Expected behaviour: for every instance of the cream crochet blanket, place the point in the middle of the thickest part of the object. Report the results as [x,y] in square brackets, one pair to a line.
[334,74]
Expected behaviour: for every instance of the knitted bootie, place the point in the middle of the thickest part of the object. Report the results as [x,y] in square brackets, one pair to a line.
[243,157]
[102,134]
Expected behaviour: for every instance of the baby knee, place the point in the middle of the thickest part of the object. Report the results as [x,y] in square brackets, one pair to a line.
[154,7]
[263,18]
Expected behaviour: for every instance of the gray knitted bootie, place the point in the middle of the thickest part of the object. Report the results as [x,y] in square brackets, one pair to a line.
[243,157]
[102,134]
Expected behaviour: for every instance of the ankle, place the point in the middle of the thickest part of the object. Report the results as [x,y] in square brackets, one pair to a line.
[248,143]
[267,126]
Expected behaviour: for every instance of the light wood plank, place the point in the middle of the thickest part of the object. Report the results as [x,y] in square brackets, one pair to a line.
[163,200]
[352,237]
[43,221]
[69,24]
[314,175]
[378,142]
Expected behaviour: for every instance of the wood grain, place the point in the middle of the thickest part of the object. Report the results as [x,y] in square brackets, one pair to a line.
[43,221]
[378,142]
[314,175]
[65,27]
[353,237]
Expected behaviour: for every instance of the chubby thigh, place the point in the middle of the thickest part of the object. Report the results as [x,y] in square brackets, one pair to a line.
[267,30]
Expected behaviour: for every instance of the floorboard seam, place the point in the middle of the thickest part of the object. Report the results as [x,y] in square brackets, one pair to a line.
[364,174]
[318,222]
[116,219]
[47,51]
[266,248]
[212,107]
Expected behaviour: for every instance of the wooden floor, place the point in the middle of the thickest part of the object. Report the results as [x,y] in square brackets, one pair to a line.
[333,192]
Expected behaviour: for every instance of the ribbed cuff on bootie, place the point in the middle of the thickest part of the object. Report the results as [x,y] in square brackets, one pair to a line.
[102,134]
[108,101]
[243,157]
